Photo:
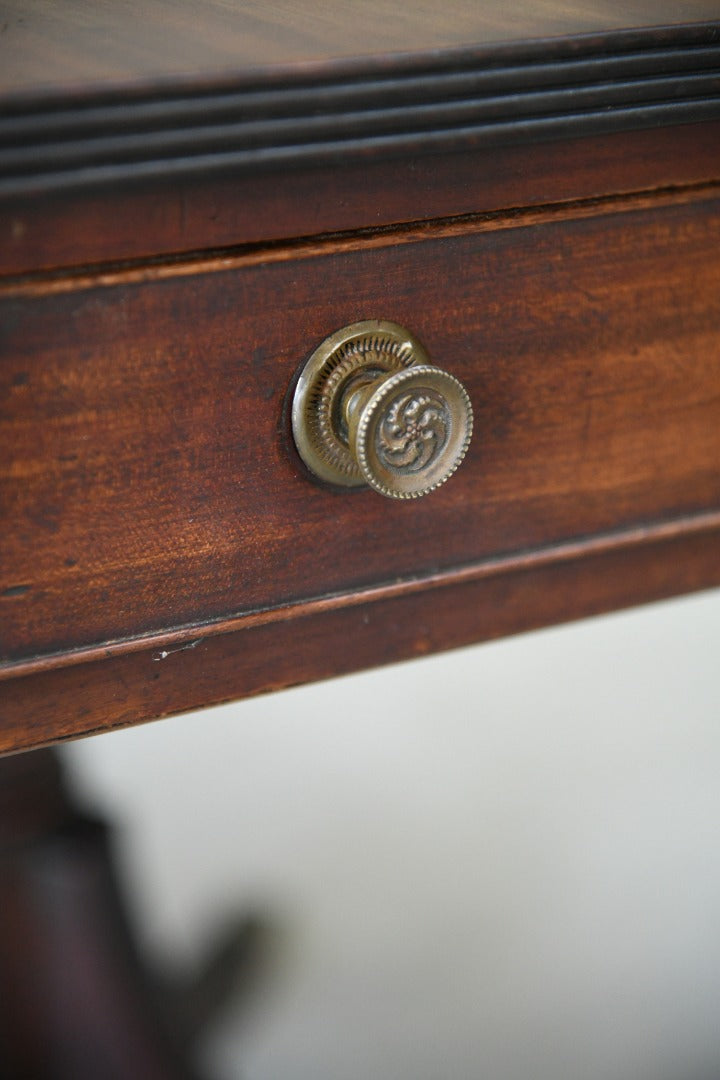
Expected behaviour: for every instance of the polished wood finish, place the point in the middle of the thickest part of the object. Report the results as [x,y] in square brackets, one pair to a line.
[146,221]
[163,547]
[360,112]
[124,685]
[94,170]
[193,197]
[155,483]
[77,44]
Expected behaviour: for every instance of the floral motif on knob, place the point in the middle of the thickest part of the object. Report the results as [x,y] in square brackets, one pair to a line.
[413,432]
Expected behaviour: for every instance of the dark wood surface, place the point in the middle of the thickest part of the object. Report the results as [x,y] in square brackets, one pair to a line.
[78,44]
[154,220]
[278,146]
[162,546]
[129,686]
[151,479]
[135,130]
[476,97]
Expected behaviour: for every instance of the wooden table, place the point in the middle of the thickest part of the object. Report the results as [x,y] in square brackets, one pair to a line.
[191,200]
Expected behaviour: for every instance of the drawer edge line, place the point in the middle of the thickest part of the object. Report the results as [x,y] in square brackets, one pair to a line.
[168,642]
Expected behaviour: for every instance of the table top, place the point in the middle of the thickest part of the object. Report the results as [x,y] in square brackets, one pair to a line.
[82,47]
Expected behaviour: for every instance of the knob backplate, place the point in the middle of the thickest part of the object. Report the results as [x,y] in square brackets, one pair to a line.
[370,409]
[357,354]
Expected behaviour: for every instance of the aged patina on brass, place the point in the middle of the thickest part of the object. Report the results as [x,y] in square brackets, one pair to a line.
[369,408]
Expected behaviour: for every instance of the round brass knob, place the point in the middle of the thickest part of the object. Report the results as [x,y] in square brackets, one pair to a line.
[369,408]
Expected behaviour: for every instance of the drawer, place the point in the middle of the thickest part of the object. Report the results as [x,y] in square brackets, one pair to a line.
[149,481]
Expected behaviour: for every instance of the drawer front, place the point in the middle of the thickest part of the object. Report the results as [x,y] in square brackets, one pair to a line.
[148,478]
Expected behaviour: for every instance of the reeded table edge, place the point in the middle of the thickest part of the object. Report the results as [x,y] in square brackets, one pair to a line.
[363,109]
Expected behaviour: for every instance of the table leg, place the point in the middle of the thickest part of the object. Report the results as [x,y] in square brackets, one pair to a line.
[78,1003]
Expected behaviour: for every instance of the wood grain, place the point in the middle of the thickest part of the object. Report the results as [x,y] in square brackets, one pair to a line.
[156,165]
[151,220]
[80,45]
[148,479]
[474,98]
[140,686]
[193,196]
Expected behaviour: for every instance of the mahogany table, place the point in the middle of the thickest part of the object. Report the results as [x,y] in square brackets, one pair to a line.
[194,199]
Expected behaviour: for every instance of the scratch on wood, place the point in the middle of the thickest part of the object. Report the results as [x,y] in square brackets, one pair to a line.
[163,655]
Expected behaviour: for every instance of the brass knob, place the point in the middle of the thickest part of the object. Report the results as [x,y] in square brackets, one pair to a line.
[369,408]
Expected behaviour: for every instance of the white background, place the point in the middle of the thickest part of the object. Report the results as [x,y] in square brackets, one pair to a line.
[503,862]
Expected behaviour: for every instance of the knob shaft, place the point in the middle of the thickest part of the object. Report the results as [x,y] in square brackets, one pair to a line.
[370,409]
